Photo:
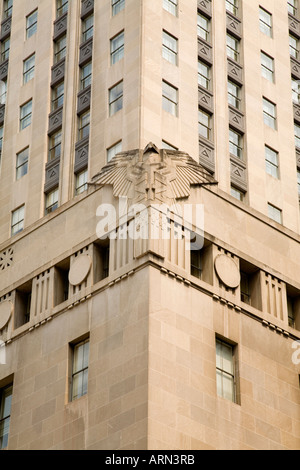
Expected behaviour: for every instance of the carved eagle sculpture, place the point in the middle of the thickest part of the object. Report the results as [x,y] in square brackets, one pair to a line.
[152,174]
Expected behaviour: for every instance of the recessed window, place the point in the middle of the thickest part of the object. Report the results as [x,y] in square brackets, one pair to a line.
[274,213]
[55,145]
[117,48]
[31,24]
[1,139]
[8,7]
[170,6]
[5,410]
[265,22]
[115,99]
[226,370]
[295,91]
[297,135]
[3,91]
[60,49]
[28,68]
[5,48]
[294,46]
[203,27]
[170,48]
[112,151]
[61,7]
[293,306]
[17,220]
[51,201]
[292,7]
[88,28]
[25,115]
[169,98]
[298,182]
[271,162]
[232,6]
[235,144]
[57,96]
[23,304]
[86,75]
[117,6]
[81,182]
[204,124]
[233,46]
[204,75]
[269,113]
[237,194]
[22,163]
[267,66]
[84,125]
[80,364]
[234,94]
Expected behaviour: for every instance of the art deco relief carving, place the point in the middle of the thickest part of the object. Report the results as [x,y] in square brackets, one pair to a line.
[6,258]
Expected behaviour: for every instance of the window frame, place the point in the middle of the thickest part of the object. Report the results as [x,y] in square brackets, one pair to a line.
[265,27]
[116,102]
[62,6]
[80,186]
[274,213]
[30,71]
[117,50]
[51,207]
[169,53]
[269,119]
[32,26]
[87,30]
[84,125]
[236,145]
[113,150]
[232,6]
[86,78]
[234,99]
[26,117]
[60,49]
[22,168]
[223,372]
[5,393]
[169,102]
[233,52]
[272,168]
[20,213]
[80,371]
[57,98]
[204,125]
[117,6]
[171,6]
[267,72]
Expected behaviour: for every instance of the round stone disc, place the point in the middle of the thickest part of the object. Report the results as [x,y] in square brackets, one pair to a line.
[80,270]
[6,309]
[227,271]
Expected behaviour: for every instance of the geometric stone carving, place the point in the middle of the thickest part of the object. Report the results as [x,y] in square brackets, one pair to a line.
[206,156]
[233,25]
[60,26]
[5,28]
[55,120]
[236,118]
[204,50]
[152,174]
[6,258]
[52,174]
[6,309]
[204,6]
[238,172]
[235,71]
[205,99]
[294,25]
[4,70]
[80,269]
[227,271]
[86,52]
[296,112]
[295,67]
[87,7]
[58,72]
[84,100]
[81,154]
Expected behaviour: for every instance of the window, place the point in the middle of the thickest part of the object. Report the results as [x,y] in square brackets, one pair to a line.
[28,68]
[55,146]
[61,7]
[3,91]
[297,135]
[88,28]
[237,193]
[1,140]
[8,6]
[51,201]
[234,93]
[22,163]
[298,182]
[84,125]
[115,98]
[117,48]
[293,306]
[31,24]
[196,265]
[117,6]
[170,48]
[292,7]
[204,124]
[169,98]
[265,22]
[80,370]
[294,46]
[170,6]
[112,151]
[60,49]
[295,91]
[271,162]
[81,182]
[167,146]
[86,75]
[25,115]
[226,370]
[23,304]
[203,27]
[269,113]
[5,409]
[17,220]
[5,47]
[235,144]
[267,67]
[232,6]
[232,47]
[275,213]
[57,96]
[203,75]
